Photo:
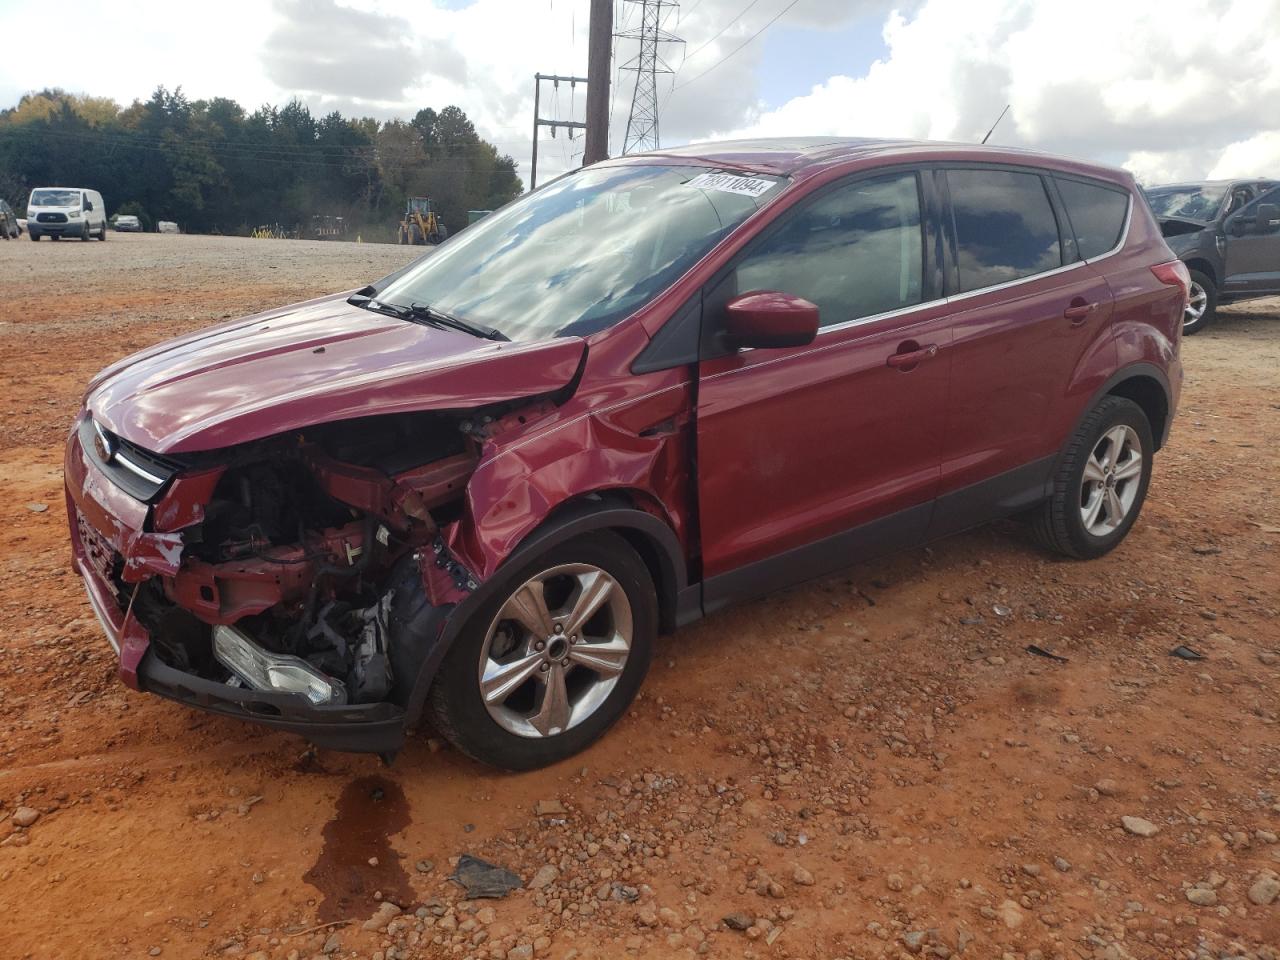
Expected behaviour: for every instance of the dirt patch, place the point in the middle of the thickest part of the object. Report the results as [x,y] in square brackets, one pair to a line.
[866,766]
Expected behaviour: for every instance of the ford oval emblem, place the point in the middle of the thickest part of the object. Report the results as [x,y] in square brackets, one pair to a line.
[103,444]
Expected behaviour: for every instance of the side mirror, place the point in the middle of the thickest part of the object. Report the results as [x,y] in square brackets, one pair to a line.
[768,318]
[88,205]
[1266,217]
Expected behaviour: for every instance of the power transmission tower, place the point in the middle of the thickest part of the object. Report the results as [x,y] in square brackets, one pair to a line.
[642,123]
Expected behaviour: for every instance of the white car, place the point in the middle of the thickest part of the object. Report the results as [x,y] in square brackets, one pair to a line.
[66,212]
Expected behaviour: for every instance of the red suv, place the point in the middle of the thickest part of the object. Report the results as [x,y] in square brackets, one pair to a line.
[477,490]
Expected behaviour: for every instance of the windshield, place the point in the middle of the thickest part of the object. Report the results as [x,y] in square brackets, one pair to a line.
[55,198]
[1196,202]
[583,252]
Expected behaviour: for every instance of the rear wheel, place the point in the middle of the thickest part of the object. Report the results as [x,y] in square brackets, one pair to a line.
[553,659]
[1101,482]
[1202,304]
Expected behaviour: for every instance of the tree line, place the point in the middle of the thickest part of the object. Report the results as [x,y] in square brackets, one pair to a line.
[214,168]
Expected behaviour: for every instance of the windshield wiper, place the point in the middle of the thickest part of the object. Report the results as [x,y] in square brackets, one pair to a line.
[421,313]
[424,313]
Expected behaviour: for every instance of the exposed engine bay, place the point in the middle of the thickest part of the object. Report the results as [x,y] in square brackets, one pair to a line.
[291,547]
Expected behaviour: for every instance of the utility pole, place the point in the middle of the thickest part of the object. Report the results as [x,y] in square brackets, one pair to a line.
[642,123]
[553,124]
[599,59]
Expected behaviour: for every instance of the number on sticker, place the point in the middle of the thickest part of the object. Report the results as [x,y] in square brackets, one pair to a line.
[730,183]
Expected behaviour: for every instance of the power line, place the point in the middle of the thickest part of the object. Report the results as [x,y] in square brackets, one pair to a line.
[776,18]
[741,13]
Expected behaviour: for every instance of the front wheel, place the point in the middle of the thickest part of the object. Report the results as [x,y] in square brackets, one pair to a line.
[1101,483]
[102,234]
[1202,304]
[553,659]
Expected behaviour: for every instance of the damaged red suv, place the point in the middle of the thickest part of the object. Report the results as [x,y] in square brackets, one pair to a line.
[474,492]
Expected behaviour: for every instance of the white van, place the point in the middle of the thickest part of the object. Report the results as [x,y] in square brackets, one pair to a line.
[66,212]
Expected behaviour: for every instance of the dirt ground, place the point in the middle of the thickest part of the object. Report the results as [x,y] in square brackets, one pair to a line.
[868,766]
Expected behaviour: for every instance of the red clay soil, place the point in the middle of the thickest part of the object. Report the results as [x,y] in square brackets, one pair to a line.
[871,765]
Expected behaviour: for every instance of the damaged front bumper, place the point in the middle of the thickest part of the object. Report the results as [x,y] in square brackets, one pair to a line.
[108,526]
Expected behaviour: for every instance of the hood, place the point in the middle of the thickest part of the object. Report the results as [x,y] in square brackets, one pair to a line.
[1173,227]
[311,363]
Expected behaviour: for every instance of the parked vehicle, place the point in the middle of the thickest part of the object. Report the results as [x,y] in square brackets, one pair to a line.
[127,223]
[66,212]
[476,490]
[1227,232]
[10,226]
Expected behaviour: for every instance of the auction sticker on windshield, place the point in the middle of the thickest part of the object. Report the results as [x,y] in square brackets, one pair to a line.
[729,183]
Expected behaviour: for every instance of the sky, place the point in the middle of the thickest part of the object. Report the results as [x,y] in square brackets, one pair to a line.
[1173,90]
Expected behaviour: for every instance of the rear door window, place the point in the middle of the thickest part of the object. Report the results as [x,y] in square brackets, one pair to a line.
[1096,212]
[1005,227]
[856,251]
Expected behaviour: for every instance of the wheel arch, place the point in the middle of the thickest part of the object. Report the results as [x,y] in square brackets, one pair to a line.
[1204,266]
[1152,396]
[1147,386]
[619,511]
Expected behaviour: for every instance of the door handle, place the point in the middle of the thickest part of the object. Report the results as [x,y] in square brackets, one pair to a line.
[909,358]
[1079,311]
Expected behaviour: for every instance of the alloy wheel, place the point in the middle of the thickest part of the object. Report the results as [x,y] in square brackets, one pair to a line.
[1112,478]
[555,650]
[1197,303]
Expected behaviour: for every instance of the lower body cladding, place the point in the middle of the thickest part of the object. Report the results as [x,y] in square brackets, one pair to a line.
[306,586]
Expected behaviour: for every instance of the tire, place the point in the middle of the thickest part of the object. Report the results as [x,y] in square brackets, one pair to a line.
[84,231]
[102,233]
[33,235]
[506,732]
[1202,305]
[1062,523]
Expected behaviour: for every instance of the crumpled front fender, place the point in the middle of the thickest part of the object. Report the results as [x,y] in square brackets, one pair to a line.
[642,448]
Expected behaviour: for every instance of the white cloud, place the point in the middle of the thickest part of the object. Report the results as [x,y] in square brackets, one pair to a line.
[1174,90]
[1256,157]
[1178,89]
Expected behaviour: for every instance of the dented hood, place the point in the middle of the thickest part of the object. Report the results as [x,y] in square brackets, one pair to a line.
[314,362]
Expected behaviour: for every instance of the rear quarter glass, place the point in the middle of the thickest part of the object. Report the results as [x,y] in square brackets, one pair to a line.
[1097,214]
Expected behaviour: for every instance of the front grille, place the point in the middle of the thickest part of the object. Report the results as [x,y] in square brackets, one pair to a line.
[138,472]
[51,218]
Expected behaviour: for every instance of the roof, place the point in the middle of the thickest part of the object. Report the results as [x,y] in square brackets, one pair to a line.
[1197,184]
[799,156]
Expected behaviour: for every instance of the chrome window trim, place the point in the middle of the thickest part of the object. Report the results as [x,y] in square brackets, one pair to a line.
[888,314]
[902,311]
[969,294]
[872,318]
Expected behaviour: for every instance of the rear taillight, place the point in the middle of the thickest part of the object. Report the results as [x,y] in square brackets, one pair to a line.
[1175,274]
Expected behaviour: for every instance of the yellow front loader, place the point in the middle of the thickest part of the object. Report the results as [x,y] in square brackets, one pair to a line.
[420,224]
